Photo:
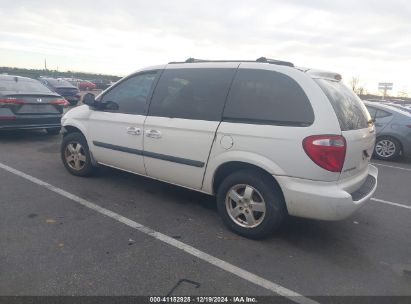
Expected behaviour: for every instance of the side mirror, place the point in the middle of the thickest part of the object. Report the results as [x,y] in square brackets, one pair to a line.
[89,99]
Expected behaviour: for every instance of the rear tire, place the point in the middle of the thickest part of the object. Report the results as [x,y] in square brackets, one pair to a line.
[75,155]
[258,207]
[53,131]
[387,148]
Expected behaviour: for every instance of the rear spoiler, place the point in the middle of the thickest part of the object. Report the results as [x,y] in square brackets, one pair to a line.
[324,75]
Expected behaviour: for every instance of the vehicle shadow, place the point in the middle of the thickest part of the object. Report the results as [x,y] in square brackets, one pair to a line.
[399,161]
[170,193]
[327,240]
[338,245]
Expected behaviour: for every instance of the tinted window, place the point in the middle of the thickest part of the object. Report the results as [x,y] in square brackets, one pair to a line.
[131,95]
[191,93]
[372,111]
[350,110]
[382,114]
[267,97]
[23,85]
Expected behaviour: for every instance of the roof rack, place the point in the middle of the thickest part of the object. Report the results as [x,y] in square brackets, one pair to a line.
[274,61]
[261,60]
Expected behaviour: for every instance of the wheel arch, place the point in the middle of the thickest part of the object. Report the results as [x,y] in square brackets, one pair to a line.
[73,128]
[72,125]
[229,167]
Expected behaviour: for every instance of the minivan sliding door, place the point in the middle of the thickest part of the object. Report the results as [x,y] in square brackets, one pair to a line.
[184,115]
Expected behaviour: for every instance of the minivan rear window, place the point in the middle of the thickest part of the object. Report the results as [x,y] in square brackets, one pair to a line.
[350,110]
[267,97]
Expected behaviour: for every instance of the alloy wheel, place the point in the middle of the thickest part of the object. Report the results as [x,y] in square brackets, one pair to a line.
[75,156]
[245,206]
[385,148]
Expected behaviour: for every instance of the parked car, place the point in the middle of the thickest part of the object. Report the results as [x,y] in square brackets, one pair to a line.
[400,101]
[405,107]
[267,139]
[27,104]
[393,125]
[86,85]
[73,81]
[64,88]
[376,100]
[101,84]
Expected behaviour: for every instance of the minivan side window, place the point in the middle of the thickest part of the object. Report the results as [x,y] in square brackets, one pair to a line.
[267,97]
[192,93]
[131,95]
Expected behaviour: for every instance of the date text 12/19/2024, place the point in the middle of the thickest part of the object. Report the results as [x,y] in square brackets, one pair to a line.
[203,299]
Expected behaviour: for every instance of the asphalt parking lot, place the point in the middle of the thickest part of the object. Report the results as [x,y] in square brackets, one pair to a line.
[52,243]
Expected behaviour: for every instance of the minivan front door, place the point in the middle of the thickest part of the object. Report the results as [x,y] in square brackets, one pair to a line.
[116,129]
[184,115]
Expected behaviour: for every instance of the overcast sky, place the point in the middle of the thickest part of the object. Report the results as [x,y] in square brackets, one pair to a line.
[369,39]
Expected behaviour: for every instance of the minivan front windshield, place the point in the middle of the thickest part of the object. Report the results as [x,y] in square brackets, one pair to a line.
[350,110]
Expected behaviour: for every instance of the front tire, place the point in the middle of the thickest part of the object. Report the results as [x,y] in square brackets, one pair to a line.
[251,204]
[75,155]
[387,148]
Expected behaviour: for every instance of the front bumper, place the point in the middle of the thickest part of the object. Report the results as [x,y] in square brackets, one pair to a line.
[326,200]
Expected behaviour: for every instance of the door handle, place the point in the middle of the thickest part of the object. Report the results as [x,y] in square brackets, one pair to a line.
[153,133]
[133,131]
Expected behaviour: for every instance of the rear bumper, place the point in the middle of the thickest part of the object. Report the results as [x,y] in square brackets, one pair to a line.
[30,122]
[325,200]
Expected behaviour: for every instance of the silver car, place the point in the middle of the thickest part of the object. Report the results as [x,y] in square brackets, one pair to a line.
[393,125]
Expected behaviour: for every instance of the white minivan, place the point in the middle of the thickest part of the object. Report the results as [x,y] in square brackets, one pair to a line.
[266,138]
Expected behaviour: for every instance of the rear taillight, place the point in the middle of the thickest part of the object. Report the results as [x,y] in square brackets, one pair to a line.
[11,100]
[409,126]
[327,151]
[60,102]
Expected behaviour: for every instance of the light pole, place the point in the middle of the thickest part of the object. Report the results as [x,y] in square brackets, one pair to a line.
[385,86]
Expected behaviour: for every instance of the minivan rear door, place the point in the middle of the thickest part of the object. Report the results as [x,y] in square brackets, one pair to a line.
[356,126]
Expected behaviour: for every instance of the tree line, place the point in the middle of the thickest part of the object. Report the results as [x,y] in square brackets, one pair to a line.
[35,74]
